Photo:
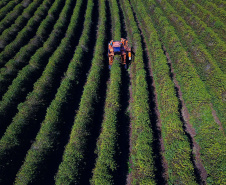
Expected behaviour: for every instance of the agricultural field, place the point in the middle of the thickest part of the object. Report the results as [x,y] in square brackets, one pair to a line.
[65,118]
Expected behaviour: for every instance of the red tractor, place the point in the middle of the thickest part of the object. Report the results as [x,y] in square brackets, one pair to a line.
[119,48]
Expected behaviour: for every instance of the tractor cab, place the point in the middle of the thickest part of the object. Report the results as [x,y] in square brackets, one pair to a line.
[119,48]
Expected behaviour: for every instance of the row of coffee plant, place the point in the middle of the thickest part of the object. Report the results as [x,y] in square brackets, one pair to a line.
[22,82]
[48,138]
[206,16]
[215,8]
[12,15]
[25,125]
[75,161]
[24,36]
[10,33]
[177,148]
[206,66]
[206,35]
[106,163]
[141,165]
[197,100]
[6,7]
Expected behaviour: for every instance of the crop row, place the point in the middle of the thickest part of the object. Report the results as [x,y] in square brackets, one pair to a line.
[75,162]
[22,84]
[12,15]
[208,136]
[212,7]
[213,43]
[47,140]
[115,20]
[106,163]
[11,68]
[177,149]
[10,33]
[106,166]
[24,36]
[207,17]
[206,66]
[9,72]
[16,140]
[5,3]
[5,8]
[219,3]
[141,140]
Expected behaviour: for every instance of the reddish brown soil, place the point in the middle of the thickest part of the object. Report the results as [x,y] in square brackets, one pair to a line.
[217,119]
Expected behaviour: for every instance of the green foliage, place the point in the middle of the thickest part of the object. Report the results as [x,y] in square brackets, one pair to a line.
[216,7]
[204,63]
[35,66]
[215,46]
[37,100]
[106,164]
[50,132]
[74,160]
[116,33]
[206,16]
[176,144]
[10,16]
[197,100]
[141,154]
[18,43]
[6,7]
[10,33]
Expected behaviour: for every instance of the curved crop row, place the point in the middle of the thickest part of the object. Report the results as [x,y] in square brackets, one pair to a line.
[213,43]
[212,7]
[106,163]
[10,33]
[48,138]
[9,72]
[177,149]
[23,36]
[16,140]
[74,160]
[141,139]
[12,15]
[5,8]
[207,17]
[4,3]
[22,84]
[197,100]
[219,3]
[206,66]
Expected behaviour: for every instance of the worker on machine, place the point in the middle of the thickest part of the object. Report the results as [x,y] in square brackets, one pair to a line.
[119,48]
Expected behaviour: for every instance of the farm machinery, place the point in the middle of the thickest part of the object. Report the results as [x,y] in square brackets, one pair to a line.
[119,48]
